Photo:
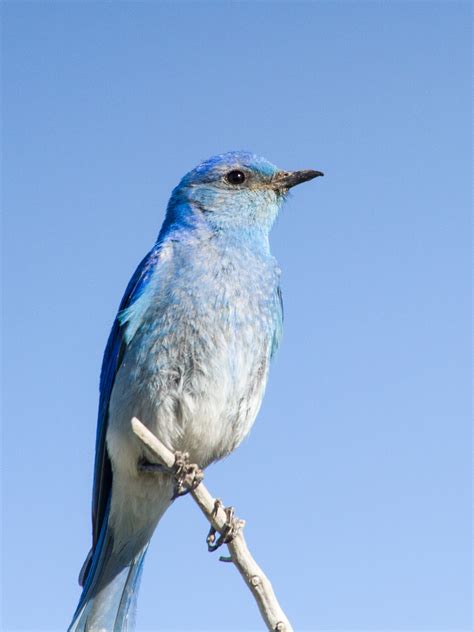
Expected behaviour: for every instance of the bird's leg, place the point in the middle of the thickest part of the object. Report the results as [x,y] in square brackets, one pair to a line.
[228,532]
[187,475]
[146,466]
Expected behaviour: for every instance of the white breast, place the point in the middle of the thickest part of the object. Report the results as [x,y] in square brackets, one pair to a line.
[196,368]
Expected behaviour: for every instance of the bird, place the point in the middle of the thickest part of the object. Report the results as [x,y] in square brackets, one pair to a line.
[188,355]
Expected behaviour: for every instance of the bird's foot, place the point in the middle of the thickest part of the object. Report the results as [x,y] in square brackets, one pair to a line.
[187,475]
[228,532]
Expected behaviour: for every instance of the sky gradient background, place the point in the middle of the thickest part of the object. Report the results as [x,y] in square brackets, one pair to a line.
[355,480]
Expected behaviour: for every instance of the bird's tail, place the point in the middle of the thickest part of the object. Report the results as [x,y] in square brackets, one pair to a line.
[108,599]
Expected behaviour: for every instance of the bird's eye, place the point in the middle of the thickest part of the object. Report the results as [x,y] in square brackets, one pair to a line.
[235,177]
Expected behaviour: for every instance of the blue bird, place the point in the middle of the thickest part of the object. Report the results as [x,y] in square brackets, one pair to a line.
[188,355]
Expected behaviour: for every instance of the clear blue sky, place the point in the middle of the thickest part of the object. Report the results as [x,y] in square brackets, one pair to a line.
[355,480]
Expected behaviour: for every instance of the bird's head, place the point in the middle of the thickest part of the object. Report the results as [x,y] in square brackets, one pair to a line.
[237,190]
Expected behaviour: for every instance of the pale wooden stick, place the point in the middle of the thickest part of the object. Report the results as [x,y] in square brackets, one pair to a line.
[252,574]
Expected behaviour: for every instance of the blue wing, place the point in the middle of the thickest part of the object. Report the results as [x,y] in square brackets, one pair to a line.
[113,356]
[278,331]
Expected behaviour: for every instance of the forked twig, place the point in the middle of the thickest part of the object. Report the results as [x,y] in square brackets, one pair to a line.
[252,574]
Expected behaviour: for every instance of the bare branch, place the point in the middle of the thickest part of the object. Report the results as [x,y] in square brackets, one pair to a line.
[252,574]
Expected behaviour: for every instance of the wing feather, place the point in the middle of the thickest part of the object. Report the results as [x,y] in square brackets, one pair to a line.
[278,331]
[113,357]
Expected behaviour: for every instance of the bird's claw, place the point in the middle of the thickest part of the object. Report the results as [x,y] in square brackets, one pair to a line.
[228,532]
[187,475]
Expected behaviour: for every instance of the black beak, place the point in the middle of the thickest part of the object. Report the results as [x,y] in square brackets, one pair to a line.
[288,179]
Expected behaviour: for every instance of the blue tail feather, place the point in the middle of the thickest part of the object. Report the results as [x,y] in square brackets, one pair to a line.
[108,600]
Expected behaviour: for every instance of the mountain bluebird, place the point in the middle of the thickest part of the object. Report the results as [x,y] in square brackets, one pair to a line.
[188,355]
